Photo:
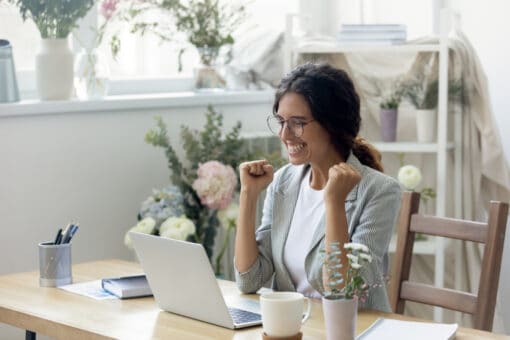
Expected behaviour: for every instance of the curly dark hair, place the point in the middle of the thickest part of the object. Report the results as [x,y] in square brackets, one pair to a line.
[334,104]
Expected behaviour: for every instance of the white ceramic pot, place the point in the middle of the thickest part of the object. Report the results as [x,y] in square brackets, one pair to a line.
[54,70]
[340,318]
[426,125]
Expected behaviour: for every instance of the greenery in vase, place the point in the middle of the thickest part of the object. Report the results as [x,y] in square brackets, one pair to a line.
[392,99]
[53,18]
[206,24]
[353,284]
[423,94]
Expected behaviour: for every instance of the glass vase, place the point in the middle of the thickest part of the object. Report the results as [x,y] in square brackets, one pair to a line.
[92,75]
[209,75]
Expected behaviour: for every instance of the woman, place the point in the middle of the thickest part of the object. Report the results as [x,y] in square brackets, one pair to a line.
[333,190]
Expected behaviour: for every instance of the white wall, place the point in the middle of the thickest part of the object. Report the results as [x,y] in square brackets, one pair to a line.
[94,168]
[486,25]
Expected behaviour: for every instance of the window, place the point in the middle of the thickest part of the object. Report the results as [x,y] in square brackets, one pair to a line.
[147,58]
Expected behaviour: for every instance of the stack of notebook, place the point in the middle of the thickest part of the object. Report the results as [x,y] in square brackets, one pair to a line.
[383,34]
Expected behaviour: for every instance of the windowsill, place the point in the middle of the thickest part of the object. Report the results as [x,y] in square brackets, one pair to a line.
[133,102]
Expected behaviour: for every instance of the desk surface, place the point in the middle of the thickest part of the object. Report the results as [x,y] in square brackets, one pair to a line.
[64,315]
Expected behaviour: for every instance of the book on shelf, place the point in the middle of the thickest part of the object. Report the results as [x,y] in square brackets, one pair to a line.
[127,286]
[374,27]
[372,35]
[389,34]
[368,42]
[383,329]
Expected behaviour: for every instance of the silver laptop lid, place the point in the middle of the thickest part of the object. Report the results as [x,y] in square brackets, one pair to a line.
[181,278]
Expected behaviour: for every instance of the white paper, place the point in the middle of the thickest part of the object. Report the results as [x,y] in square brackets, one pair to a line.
[90,289]
[383,329]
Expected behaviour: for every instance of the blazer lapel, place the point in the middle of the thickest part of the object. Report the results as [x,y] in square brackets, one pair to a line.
[284,205]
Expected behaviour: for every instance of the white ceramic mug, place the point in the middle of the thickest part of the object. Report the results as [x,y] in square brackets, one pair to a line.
[282,313]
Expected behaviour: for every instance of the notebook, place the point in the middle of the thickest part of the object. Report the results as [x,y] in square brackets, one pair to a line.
[183,282]
[383,329]
[127,286]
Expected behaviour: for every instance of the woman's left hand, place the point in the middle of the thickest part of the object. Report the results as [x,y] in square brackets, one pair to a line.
[342,178]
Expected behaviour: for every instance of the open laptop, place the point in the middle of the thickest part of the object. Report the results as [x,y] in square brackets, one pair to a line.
[183,282]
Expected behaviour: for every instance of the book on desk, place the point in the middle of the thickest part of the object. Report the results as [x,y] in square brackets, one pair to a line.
[127,286]
[383,329]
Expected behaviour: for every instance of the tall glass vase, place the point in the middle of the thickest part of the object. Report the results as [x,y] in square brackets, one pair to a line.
[92,75]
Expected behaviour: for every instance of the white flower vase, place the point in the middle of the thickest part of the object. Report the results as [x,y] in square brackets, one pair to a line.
[426,125]
[91,75]
[54,70]
[340,318]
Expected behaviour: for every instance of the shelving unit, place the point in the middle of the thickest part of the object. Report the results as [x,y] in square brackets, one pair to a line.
[441,148]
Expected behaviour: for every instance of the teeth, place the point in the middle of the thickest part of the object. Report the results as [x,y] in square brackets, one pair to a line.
[296,148]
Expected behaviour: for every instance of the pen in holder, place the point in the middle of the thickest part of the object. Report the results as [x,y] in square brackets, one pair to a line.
[55,264]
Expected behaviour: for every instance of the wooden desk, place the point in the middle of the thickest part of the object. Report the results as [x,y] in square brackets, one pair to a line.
[64,315]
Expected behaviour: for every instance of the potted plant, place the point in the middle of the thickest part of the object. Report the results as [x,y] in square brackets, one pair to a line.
[340,300]
[423,94]
[54,62]
[205,24]
[390,101]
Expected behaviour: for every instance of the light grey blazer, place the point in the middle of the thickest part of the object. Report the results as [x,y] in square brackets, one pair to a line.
[372,208]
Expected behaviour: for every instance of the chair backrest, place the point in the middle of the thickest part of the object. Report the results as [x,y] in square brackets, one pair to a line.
[492,234]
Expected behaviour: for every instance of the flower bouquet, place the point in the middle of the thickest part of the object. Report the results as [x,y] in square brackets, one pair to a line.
[204,186]
[340,302]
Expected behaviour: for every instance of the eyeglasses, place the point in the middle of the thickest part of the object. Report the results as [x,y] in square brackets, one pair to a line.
[295,125]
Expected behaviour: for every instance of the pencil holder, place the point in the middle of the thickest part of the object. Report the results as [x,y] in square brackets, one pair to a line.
[55,264]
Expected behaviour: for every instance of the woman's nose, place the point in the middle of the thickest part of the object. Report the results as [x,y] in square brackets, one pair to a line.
[285,131]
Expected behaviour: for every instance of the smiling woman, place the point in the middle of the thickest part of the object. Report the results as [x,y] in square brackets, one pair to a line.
[333,190]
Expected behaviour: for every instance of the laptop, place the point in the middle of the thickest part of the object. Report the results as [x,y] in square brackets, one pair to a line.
[183,282]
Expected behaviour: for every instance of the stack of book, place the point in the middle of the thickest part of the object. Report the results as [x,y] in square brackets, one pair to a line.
[381,34]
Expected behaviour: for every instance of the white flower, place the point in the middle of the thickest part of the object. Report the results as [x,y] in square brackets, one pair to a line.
[356,246]
[366,257]
[178,228]
[409,176]
[356,265]
[352,258]
[228,216]
[145,226]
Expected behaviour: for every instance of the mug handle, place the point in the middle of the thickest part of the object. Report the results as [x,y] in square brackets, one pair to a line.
[308,310]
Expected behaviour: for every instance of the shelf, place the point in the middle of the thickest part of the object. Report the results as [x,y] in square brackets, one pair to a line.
[410,147]
[318,47]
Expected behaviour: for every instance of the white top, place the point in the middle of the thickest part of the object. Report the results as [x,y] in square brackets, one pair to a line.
[309,210]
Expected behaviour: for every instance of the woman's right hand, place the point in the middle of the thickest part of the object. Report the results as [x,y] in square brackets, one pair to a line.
[255,176]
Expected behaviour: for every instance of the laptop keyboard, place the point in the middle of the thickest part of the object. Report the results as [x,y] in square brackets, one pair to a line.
[243,316]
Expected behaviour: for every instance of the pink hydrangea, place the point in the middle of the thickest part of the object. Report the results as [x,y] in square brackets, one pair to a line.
[108,7]
[215,184]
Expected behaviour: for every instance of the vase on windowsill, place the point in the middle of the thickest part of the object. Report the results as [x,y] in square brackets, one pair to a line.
[91,75]
[54,69]
[209,74]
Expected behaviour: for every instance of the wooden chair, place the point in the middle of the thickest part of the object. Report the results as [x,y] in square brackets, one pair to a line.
[492,233]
